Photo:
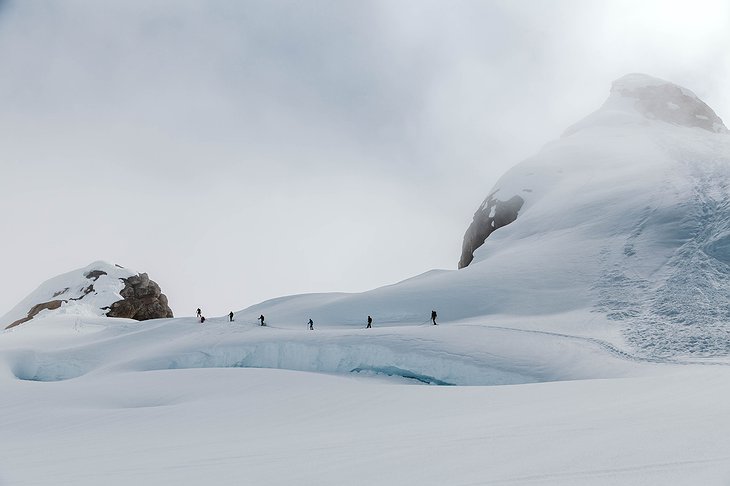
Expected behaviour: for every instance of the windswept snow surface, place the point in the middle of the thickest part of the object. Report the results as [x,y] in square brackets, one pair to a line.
[62,348]
[89,400]
[591,332]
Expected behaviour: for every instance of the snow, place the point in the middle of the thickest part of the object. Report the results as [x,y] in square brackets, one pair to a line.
[71,287]
[177,402]
[642,100]
[460,354]
[587,343]
[636,81]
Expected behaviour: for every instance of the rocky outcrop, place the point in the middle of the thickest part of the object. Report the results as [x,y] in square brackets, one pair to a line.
[95,274]
[51,305]
[142,300]
[644,100]
[491,215]
[100,289]
[661,100]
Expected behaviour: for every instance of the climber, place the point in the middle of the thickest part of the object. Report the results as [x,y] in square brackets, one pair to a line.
[202,319]
[433,317]
[230,317]
[370,322]
[261,318]
[311,325]
[200,313]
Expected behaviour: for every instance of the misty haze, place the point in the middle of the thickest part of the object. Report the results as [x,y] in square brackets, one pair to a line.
[397,243]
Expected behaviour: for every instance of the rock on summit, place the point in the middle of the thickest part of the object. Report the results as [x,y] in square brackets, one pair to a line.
[100,289]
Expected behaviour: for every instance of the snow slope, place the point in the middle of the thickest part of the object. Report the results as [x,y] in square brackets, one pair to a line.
[626,219]
[85,291]
[585,344]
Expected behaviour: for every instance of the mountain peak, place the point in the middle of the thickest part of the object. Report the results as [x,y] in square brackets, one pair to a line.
[661,100]
[653,99]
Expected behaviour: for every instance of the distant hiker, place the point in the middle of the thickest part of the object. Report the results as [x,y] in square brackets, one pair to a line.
[230,317]
[370,322]
[261,318]
[200,313]
[202,319]
[433,317]
[311,325]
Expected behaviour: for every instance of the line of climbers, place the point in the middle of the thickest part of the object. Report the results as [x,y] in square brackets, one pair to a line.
[201,318]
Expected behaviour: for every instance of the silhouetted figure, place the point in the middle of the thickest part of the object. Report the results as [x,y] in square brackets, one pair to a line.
[230,317]
[311,325]
[200,313]
[261,318]
[433,317]
[202,319]
[370,322]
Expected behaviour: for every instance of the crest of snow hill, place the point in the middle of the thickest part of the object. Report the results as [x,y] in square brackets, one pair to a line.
[626,216]
[637,98]
[99,289]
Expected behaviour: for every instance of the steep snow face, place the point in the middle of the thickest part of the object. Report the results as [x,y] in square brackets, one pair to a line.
[633,204]
[86,291]
[625,219]
[636,102]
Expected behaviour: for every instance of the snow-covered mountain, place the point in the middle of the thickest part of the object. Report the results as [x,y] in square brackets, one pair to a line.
[627,215]
[99,289]
[625,218]
[594,283]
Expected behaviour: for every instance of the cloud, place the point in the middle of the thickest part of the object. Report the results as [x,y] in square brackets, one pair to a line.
[243,150]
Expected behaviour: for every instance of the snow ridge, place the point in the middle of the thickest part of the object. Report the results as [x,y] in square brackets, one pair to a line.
[454,355]
[85,291]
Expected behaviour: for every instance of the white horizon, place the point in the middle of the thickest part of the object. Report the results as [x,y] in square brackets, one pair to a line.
[238,152]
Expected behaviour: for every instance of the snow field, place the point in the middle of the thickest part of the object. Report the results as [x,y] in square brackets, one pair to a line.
[448,354]
[259,426]
[176,402]
[601,311]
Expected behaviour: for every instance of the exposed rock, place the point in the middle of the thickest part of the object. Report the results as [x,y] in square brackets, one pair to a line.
[86,292]
[95,274]
[56,294]
[491,215]
[643,99]
[142,300]
[51,305]
[100,289]
[665,101]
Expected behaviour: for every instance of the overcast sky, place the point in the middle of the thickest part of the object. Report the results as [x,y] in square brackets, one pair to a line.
[238,151]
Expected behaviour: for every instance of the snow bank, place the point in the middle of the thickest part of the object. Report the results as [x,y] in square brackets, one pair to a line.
[453,354]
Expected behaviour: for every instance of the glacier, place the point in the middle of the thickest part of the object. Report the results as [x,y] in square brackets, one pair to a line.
[584,342]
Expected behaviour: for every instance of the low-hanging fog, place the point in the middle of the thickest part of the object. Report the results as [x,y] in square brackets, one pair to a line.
[238,151]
